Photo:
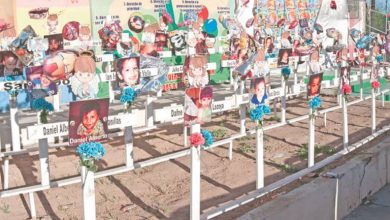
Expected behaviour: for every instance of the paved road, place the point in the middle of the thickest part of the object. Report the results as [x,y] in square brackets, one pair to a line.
[377,207]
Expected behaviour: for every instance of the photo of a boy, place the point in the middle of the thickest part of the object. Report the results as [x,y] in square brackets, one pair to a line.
[88,121]
[9,64]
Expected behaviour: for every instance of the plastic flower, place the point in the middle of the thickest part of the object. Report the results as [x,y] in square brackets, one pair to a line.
[346,89]
[286,71]
[44,106]
[256,114]
[315,102]
[379,58]
[196,139]
[208,137]
[127,98]
[89,152]
[375,84]
[128,95]
[266,110]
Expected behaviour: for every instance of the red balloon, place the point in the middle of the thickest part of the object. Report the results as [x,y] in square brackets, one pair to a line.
[203,13]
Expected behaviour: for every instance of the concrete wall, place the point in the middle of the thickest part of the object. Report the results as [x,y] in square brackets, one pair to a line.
[359,178]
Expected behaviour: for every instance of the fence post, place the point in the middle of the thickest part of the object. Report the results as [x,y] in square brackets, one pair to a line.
[15,134]
[259,157]
[88,187]
[373,111]
[283,117]
[345,123]
[195,177]
[129,146]
[311,150]
[44,161]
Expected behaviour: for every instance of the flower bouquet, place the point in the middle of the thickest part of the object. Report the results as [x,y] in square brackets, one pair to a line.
[257,113]
[127,98]
[44,106]
[89,152]
[314,103]
[375,84]
[208,138]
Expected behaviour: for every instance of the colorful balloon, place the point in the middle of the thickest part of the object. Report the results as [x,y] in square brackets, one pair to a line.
[210,26]
[203,13]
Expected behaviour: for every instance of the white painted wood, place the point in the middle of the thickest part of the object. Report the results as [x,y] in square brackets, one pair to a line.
[361,83]
[33,211]
[373,110]
[56,102]
[6,173]
[15,131]
[149,111]
[185,134]
[259,158]
[345,123]
[128,135]
[242,118]
[283,101]
[311,139]
[88,187]
[325,119]
[195,177]
[44,161]
[230,150]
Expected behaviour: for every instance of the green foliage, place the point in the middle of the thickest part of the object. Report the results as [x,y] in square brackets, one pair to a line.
[5,208]
[303,151]
[247,149]
[219,133]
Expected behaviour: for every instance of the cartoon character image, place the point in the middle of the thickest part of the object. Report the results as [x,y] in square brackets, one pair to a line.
[38,46]
[197,72]
[84,83]
[52,23]
[178,40]
[204,105]
[85,37]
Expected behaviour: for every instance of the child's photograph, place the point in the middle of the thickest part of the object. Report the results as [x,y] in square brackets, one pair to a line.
[56,43]
[10,64]
[314,86]
[128,71]
[88,121]
[283,57]
[258,91]
[345,75]
[161,41]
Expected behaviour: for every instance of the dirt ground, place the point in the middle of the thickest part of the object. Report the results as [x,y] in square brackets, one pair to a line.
[162,191]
